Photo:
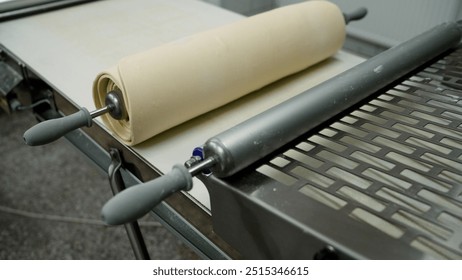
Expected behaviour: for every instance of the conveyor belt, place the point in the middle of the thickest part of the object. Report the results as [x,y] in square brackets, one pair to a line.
[383,181]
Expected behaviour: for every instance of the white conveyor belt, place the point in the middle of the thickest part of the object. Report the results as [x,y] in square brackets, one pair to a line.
[69,47]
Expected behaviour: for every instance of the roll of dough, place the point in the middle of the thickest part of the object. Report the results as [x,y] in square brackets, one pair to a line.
[173,83]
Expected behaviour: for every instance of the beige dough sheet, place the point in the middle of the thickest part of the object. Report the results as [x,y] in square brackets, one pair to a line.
[173,83]
[71,46]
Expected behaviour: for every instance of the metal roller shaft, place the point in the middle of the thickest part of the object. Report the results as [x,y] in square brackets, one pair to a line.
[255,138]
[236,148]
[51,130]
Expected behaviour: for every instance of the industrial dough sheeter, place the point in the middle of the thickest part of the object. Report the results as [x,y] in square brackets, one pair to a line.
[378,176]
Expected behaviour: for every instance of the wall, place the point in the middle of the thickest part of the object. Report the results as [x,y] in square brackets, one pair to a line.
[388,22]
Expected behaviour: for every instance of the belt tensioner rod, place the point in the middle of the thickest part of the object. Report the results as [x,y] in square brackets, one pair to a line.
[50,130]
[238,147]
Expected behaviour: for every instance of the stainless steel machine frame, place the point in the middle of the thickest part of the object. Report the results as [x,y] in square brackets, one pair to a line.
[297,202]
[256,209]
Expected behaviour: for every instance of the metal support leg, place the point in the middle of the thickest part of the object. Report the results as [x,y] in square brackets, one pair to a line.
[117,185]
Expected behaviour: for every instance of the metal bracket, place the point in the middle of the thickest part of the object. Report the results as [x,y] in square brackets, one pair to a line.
[117,185]
[9,79]
[20,88]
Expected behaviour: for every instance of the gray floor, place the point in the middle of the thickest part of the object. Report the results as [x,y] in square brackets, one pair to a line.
[50,199]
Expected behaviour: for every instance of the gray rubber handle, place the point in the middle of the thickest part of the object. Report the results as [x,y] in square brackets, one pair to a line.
[133,203]
[50,130]
[358,14]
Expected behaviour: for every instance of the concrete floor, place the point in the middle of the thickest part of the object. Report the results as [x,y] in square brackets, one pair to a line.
[50,200]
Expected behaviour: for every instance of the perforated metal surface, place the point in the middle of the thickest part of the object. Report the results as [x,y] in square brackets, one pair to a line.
[394,164]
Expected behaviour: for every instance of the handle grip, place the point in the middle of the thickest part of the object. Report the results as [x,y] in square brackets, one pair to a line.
[135,202]
[50,130]
[355,15]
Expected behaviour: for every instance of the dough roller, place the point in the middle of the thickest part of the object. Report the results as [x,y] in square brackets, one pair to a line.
[235,149]
[51,130]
